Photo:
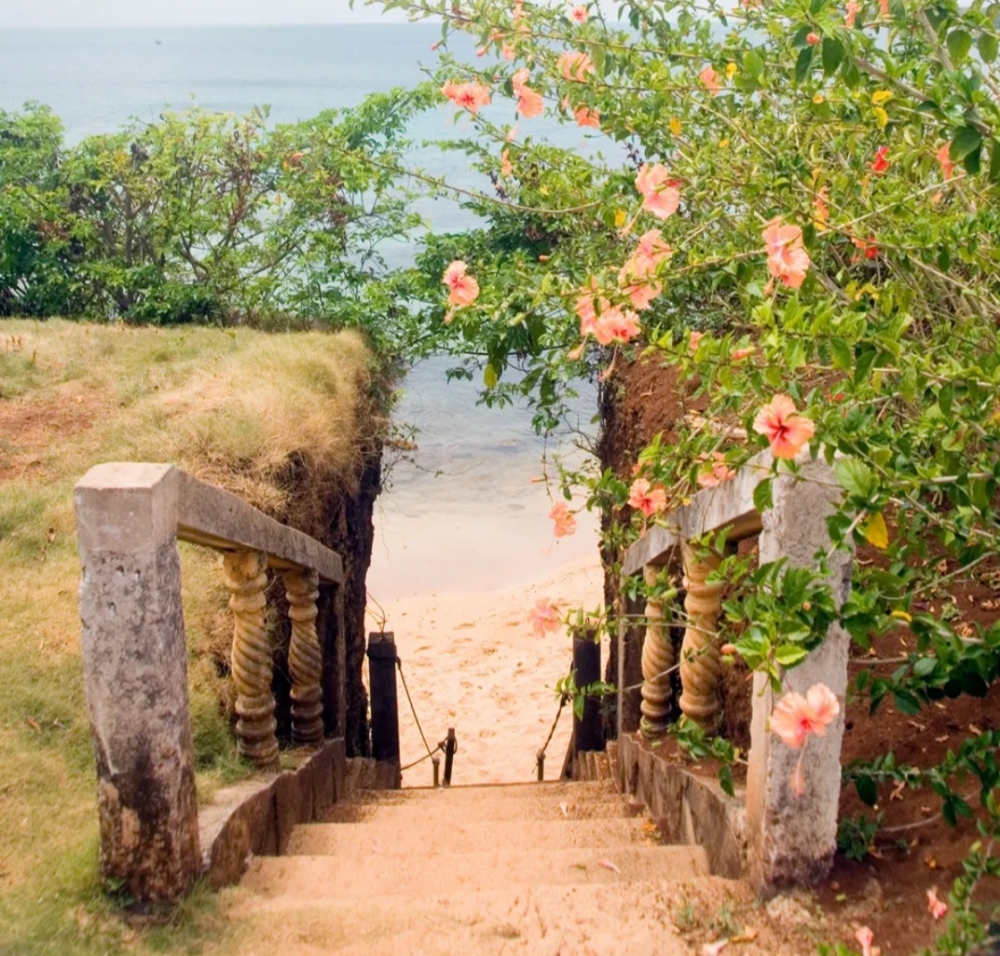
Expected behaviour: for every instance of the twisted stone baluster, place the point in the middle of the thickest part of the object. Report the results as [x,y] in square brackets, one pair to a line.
[245,575]
[700,665]
[305,659]
[657,658]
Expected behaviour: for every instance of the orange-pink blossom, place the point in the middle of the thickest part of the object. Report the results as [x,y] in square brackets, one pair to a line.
[506,167]
[574,65]
[544,617]
[853,9]
[865,937]
[637,277]
[785,429]
[695,341]
[565,523]
[647,498]
[587,117]
[710,79]
[615,324]
[529,102]
[713,473]
[579,14]
[463,289]
[659,192]
[943,156]
[935,906]
[587,305]
[787,258]
[796,717]
[469,96]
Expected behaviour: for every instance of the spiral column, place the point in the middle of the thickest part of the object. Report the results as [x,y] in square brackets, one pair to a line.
[244,573]
[305,658]
[700,658]
[657,659]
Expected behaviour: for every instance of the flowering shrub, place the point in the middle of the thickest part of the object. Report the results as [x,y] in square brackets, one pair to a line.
[819,181]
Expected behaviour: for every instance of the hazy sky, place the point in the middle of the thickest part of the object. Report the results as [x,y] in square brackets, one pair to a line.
[107,13]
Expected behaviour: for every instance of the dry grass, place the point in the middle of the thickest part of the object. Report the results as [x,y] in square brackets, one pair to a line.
[249,411]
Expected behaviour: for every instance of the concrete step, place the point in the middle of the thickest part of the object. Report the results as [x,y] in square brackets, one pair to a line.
[547,920]
[555,790]
[362,839]
[416,876]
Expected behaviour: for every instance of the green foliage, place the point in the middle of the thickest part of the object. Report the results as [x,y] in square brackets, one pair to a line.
[208,218]
[856,835]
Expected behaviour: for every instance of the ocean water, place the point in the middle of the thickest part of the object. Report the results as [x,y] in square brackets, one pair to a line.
[462,511]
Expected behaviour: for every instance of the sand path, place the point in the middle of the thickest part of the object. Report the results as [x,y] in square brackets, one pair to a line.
[473,662]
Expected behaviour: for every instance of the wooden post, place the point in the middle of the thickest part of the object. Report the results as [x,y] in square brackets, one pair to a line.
[450,749]
[385,708]
[588,732]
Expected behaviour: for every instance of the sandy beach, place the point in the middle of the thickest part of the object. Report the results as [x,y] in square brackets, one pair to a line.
[473,662]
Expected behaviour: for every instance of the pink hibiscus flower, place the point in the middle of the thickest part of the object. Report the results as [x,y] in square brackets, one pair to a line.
[616,324]
[943,156]
[587,117]
[710,79]
[575,66]
[785,429]
[715,472]
[796,717]
[881,161]
[468,96]
[865,937]
[544,617]
[787,259]
[565,523]
[659,192]
[579,14]
[463,289]
[647,498]
[937,907]
[853,9]
[529,103]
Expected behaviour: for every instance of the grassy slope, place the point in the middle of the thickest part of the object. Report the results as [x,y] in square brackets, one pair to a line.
[232,407]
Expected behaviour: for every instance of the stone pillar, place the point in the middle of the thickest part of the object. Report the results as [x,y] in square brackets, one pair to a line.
[305,660]
[700,658]
[657,659]
[793,839]
[244,573]
[135,679]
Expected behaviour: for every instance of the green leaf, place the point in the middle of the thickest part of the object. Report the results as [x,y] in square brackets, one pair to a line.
[972,161]
[867,790]
[967,139]
[788,655]
[987,46]
[490,376]
[925,666]
[959,43]
[906,702]
[833,55]
[994,160]
[753,63]
[803,64]
[855,477]
[763,496]
[843,357]
[726,780]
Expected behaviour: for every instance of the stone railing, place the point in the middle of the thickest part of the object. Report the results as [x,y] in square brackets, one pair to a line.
[129,519]
[785,839]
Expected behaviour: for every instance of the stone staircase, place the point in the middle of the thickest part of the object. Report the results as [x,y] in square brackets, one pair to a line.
[554,868]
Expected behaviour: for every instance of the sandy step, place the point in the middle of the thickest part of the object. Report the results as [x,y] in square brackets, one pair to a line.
[547,920]
[362,839]
[554,791]
[445,812]
[415,876]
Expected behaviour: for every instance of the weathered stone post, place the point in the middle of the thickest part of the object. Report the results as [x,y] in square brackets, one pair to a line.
[700,658]
[793,839]
[305,659]
[657,659]
[135,678]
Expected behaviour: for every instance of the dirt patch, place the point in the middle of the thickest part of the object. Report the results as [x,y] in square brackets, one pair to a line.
[32,429]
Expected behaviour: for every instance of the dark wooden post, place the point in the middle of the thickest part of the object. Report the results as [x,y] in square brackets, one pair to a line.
[385,709]
[450,749]
[588,731]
